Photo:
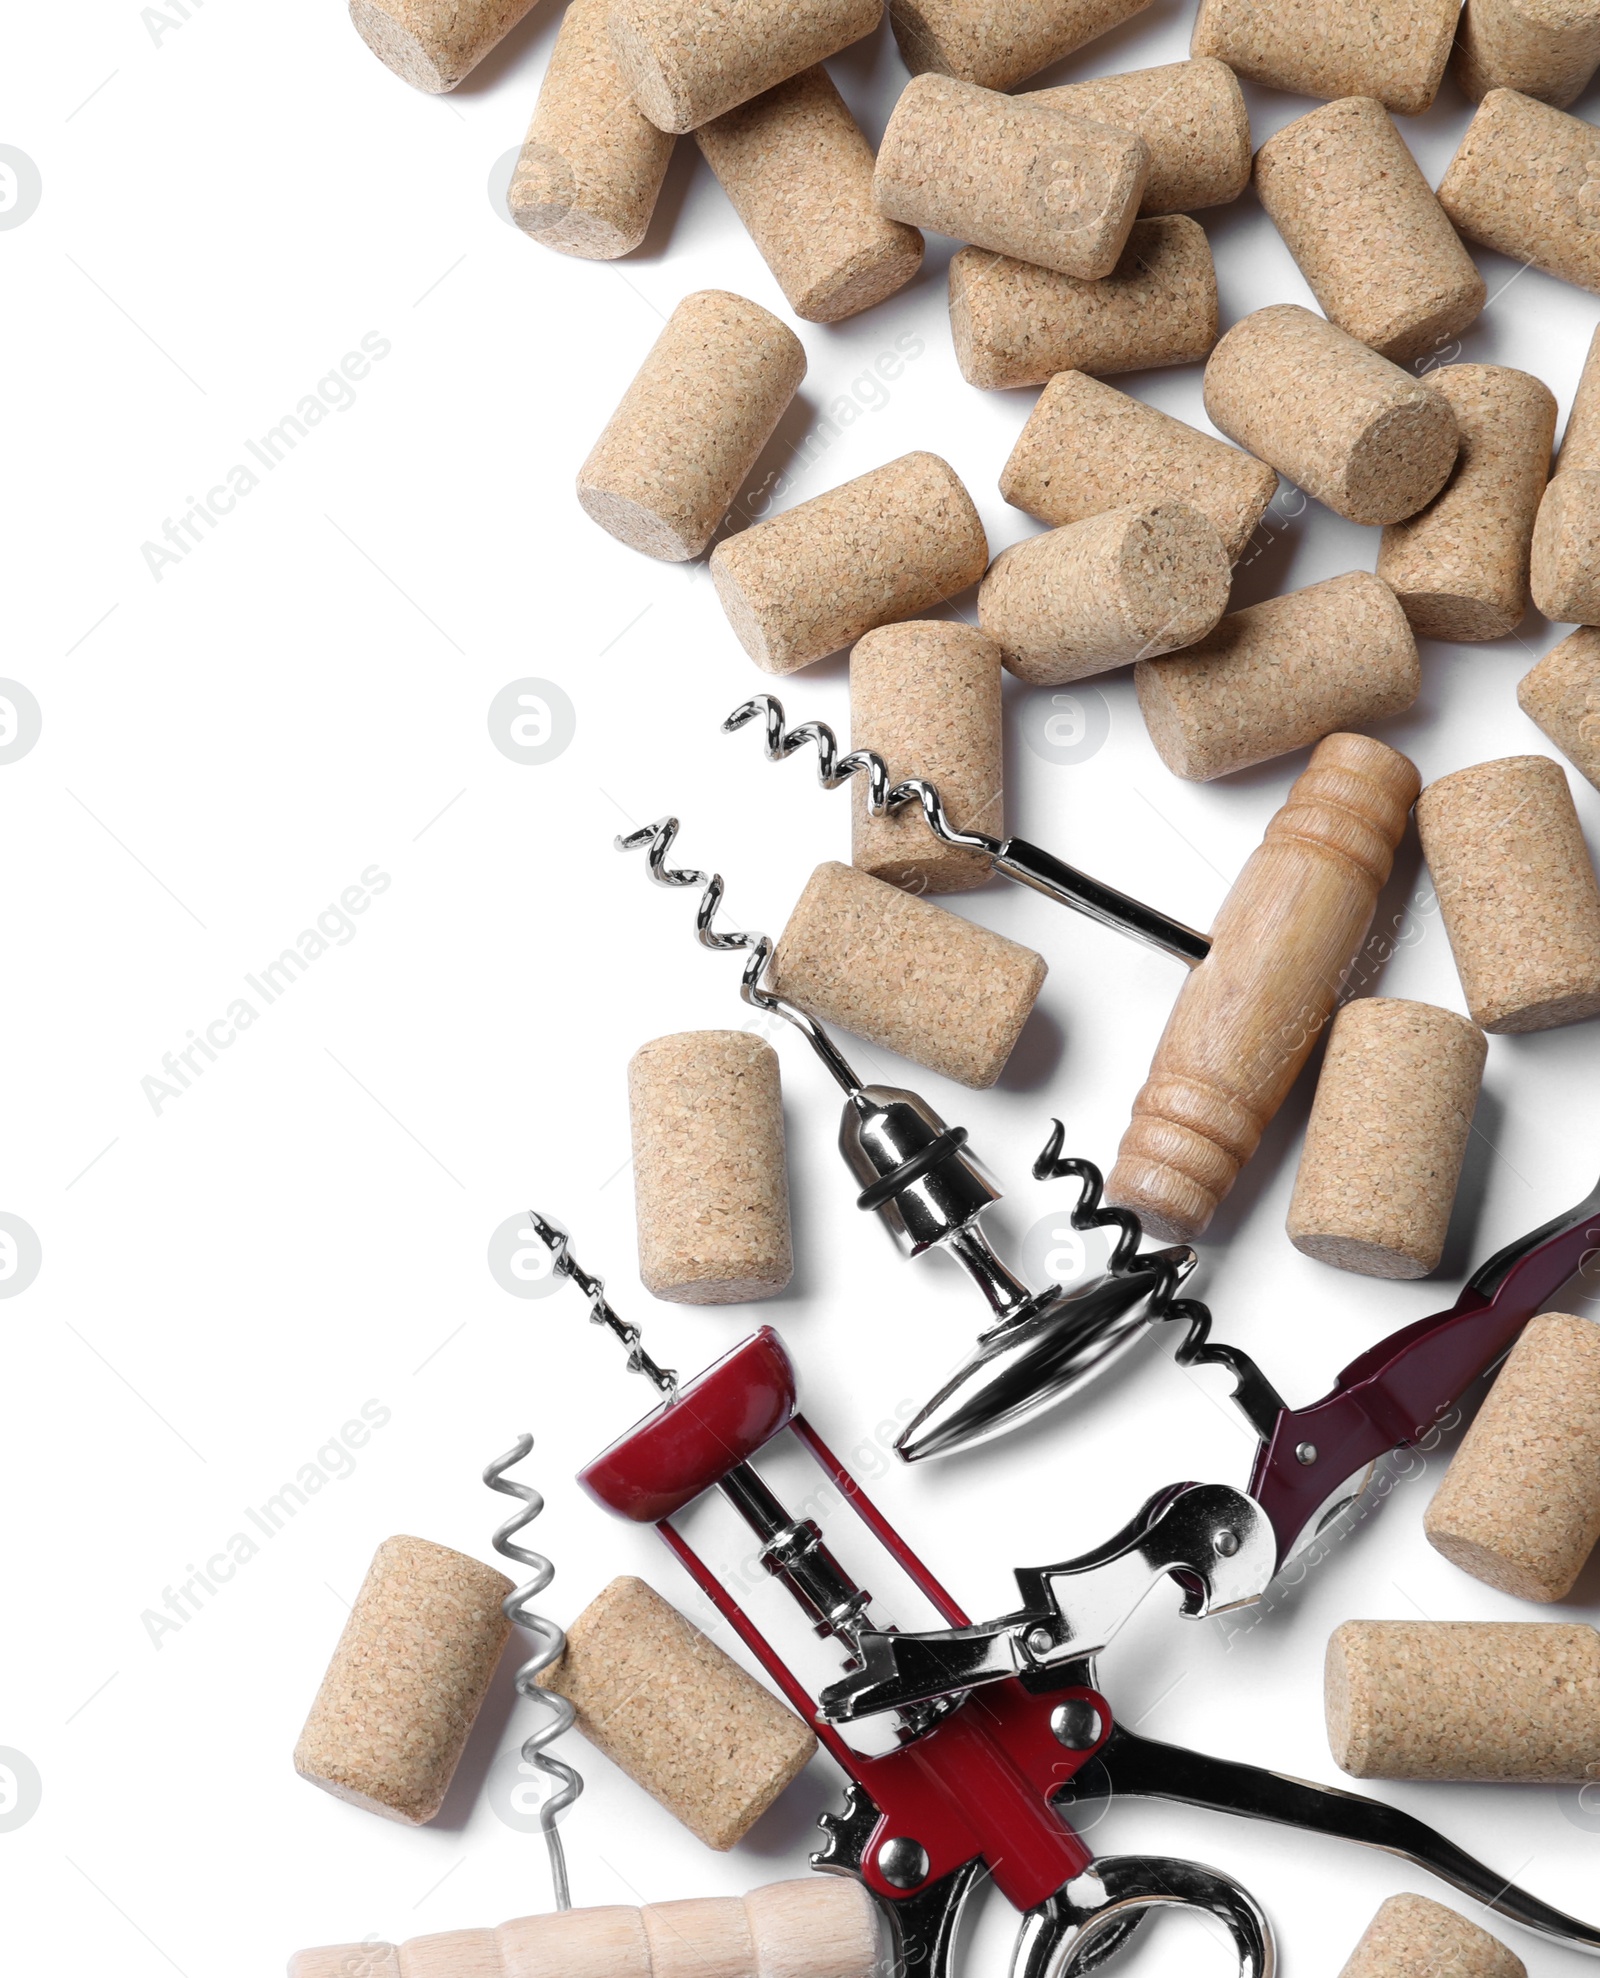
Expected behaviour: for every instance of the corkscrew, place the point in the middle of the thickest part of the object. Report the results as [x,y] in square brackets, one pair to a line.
[556,1712]
[1011,858]
[1001,1728]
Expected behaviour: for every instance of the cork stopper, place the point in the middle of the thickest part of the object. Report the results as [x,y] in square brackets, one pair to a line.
[1342,422]
[1564,571]
[883,547]
[1280,675]
[1460,566]
[1548,49]
[1520,1505]
[1088,447]
[1471,1701]
[1396,53]
[1411,1937]
[926,697]
[710,1174]
[1194,123]
[590,167]
[999,42]
[1366,231]
[1562,694]
[433,44]
[406,1681]
[1516,891]
[676,451]
[1015,324]
[1386,1139]
[1011,174]
[666,1706]
[1580,443]
[799,174]
[1520,183]
[906,975]
[687,61]
[1105,592]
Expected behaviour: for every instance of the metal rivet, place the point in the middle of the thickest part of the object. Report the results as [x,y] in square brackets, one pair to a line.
[1306,1453]
[1227,1543]
[1041,1641]
[1075,1724]
[903,1862]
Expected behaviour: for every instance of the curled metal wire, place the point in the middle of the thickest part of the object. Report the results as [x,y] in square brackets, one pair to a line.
[554,1237]
[557,1713]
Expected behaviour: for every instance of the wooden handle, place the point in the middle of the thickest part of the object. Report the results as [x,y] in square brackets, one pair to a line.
[1247,1017]
[819,1927]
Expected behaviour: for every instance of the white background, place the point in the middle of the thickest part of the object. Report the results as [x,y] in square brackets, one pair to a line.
[230,202]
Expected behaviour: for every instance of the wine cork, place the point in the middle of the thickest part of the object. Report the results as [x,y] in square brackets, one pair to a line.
[662,475]
[1366,231]
[1194,123]
[666,1706]
[926,697]
[1460,566]
[999,42]
[1342,422]
[590,167]
[1516,891]
[1332,48]
[905,975]
[1280,675]
[710,1175]
[1012,174]
[1088,447]
[1562,694]
[406,1681]
[1105,592]
[1580,443]
[882,547]
[1247,1016]
[1564,567]
[1547,49]
[1015,324]
[1411,1937]
[1520,1504]
[687,61]
[433,44]
[799,174]
[823,1926]
[1386,1138]
[1523,182]
[1470,1701]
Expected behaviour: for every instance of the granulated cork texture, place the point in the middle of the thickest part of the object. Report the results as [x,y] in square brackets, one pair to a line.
[1411,1937]
[676,451]
[1280,675]
[1496,1701]
[1523,183]
[1333,48]
[1105,592]
[1011,174]
[1520,1504]
[926,697]
[433,44]
[904,974]
[406,1680]
[663,1703]
[1014,324]
[1088,447]
[1194,123]
[688,61]
[1366,230]
[878,549]
[799,174]
[1565,570]
[591,166]
[1516,892]
[1342,422]
[999,42]
[1545,48]
[1386,1138]
[710,1172]
[1562,694]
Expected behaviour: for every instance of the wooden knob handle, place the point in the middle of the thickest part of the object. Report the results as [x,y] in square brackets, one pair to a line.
[1247,1017]
[819,1927]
